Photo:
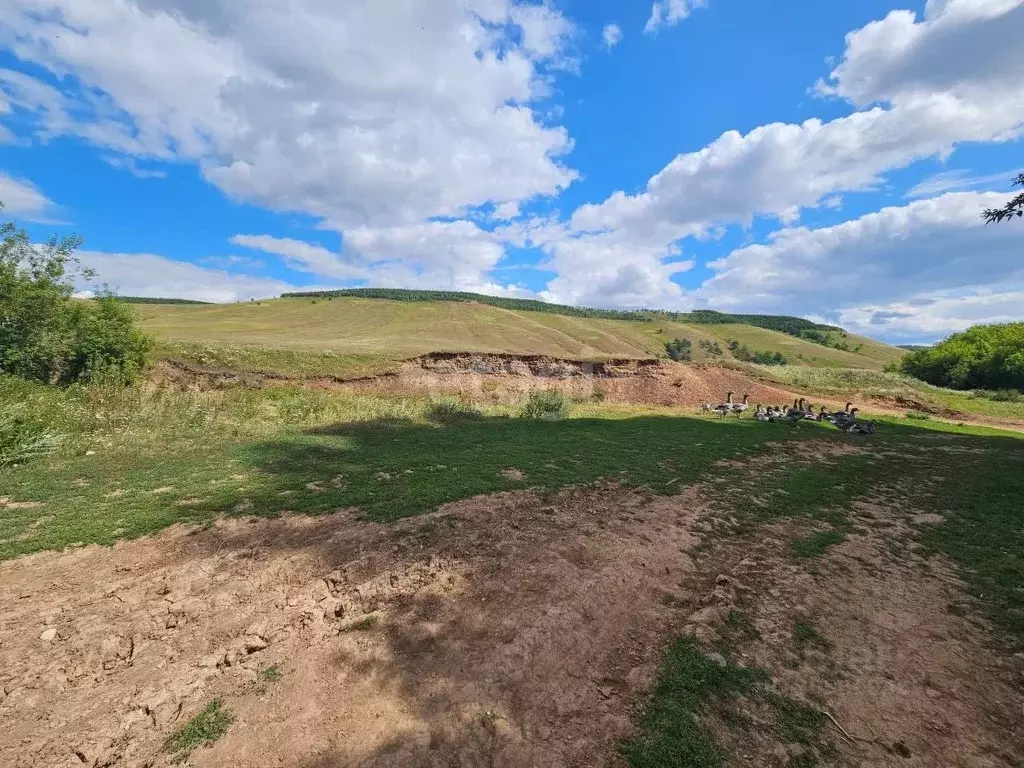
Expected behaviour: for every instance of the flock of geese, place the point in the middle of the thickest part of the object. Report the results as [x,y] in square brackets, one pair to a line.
[846,419]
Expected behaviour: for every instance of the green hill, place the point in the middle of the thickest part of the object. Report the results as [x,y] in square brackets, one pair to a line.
[356,335]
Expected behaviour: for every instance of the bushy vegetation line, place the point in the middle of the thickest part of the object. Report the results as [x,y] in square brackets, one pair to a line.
[45,334]
[741,352]
[792,326]
[986,357]
[153,300]
[531,305]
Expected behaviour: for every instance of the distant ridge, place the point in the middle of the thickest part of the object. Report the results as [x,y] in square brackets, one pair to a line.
[149,300]
[794,326]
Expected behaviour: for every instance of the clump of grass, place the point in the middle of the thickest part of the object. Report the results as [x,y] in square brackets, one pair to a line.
[918,416]
[201,731]
[805,635]
[669,733]
[451,411]
[270,674]
[21,439]
[817,544]
[364,624]
[1000,395]
[549,404]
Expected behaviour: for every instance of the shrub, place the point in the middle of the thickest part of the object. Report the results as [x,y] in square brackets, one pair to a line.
[741,352]
[47,335]
[680,350]
[1000,395]
[711,347]
[982,357]
[549,404]
[450,411]
[21,439]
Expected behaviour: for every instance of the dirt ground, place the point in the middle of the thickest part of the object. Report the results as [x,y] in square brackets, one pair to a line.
[508,630]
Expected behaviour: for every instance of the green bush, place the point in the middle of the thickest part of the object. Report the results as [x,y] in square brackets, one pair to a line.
[741,352]
[711,347]
[680,350]
[549,404]
[45,334]
[21,439]
[1000,395]
[982,357]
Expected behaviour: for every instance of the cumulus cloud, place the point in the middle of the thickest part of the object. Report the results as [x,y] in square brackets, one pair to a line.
[147,274]
[22,199]
[612,35]
[925,318]
[128,164]
[456,255]
[620,268]
[881,272]
[363,113]
[781,169]
[668,13]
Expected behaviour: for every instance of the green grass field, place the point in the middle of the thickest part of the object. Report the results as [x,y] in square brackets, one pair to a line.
[340,335]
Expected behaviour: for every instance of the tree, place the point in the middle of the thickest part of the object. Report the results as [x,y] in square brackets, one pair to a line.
[1013,208]
[48,335]
[679,350]
[982,357]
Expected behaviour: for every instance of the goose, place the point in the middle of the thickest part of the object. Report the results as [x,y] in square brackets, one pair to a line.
[846,420]
[761,414]
[809,412]
[797,412]
[725,408]
[741,407]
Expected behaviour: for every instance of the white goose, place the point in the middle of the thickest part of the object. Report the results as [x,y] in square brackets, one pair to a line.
[740,408]
[725,408]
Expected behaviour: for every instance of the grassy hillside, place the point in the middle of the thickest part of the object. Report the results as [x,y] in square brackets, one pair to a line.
[345,331]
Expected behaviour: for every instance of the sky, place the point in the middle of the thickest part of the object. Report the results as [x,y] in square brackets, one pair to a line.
[738,155]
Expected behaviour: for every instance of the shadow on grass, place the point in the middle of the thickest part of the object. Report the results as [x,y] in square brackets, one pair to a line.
[394,469]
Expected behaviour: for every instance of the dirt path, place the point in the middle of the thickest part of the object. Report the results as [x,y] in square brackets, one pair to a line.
[509,630]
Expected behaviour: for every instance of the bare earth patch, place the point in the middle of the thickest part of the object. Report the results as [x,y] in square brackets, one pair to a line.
[868,638]
[510,630]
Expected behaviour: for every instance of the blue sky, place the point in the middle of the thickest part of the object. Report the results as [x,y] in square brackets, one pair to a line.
[732,154]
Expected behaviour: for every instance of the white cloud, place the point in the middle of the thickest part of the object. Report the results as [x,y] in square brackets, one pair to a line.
[969,49]
[129,164]
[147,274]
[857,272]
[620,268]
[363,113]
[455,255]
[957,181]
[612,35]
[930,317]
[668,13]
[23,199]
[506,211]
[780,169]
[302,256]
